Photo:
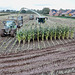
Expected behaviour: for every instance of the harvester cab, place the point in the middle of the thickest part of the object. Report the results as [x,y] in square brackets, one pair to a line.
[41,19]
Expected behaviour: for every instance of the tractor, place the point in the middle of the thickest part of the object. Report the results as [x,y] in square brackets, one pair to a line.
[10,26]
[31,17]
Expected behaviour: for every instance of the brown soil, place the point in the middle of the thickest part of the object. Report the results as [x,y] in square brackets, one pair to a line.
[59,59]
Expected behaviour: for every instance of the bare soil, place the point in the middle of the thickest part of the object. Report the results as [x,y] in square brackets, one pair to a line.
[59,59]
[55,57]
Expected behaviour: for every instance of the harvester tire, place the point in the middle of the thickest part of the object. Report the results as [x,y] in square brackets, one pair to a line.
[2,33]
[18,26]
[13,33]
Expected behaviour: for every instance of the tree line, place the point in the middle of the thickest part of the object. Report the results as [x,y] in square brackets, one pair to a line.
[43,11]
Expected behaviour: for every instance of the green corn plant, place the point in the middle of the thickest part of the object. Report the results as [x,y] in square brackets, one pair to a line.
[67,32]
[35,31]
[47,33]
[71,32]
[63,33]
[51,33]
[54,33]
[19,36]
[29,35]
[24,36]
[33,35]
[42,34]
[38,34]
[58,32]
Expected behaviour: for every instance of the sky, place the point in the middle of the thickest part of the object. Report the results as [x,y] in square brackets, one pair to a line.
[36,4]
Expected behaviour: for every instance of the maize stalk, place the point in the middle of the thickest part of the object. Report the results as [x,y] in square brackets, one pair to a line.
[67,32]
[71,33]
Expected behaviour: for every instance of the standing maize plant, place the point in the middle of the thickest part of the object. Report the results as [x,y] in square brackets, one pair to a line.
[51,33]
[35,31]
[33,34]
[63,33]
[38,34]
[58,30]
[54,33]
[19,36]
[47,33]
[42,34]
[67,32]
[24,36]
[29,36]
[71,33]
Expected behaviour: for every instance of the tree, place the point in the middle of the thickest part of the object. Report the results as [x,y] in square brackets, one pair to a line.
[39,11]
[45,10]
[7,10]
[23,11]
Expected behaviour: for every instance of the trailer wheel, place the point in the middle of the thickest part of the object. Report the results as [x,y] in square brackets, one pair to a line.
[13,33]
[2,33]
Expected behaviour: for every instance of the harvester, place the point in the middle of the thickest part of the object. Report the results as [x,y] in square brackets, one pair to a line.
[40,19]
[10,26]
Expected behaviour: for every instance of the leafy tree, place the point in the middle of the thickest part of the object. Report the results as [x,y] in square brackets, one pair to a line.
[23,11]
[7,10]
[45,10]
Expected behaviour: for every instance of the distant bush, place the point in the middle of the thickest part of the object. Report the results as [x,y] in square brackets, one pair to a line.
[63,15]
[3,14]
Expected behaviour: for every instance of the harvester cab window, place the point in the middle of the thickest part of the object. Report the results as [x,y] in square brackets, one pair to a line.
[41,20]
[10,24]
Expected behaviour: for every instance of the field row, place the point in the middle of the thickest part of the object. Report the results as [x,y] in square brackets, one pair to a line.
[58,59]
[11,44]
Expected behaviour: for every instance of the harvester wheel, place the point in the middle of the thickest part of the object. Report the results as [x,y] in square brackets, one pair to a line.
[18,26]
[13,33]
[2,33]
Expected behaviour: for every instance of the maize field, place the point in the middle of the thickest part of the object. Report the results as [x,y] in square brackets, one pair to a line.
[39,49]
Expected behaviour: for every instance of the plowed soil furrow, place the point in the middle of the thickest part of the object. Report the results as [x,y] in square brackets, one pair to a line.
[3,40]
[38,51]
[7,42]
[39,54]
[37,61]
[33,61]
[36,70]
[41,59]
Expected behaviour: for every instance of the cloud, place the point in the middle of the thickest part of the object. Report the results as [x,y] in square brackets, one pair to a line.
[42,4]
[36,4]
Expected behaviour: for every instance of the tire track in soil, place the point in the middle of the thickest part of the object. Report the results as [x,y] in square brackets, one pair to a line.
[33,51]
[65,59]
[33,62]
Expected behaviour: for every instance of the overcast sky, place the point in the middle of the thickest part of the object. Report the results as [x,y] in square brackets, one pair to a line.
[37,4]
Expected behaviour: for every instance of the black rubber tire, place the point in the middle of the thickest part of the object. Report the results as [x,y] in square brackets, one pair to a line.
[13,33]
[18,26]
[2,33]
